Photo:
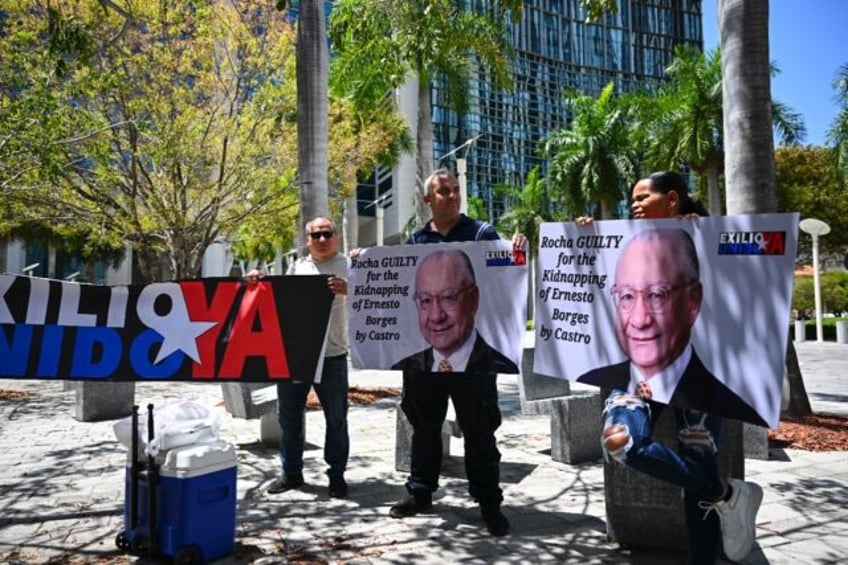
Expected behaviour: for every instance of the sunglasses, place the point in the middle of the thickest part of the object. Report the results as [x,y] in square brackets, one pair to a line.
[317,235]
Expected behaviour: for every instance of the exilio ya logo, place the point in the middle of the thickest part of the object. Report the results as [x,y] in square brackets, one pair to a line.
[752,243]
[505,258]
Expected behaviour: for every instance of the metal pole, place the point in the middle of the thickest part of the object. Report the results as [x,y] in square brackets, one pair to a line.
[380,223]
[461,169]
[817,288]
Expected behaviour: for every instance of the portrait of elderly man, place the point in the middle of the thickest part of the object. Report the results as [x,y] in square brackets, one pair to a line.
[446,300]
[658,295]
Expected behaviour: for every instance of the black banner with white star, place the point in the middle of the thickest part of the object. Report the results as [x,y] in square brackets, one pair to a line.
[207,330]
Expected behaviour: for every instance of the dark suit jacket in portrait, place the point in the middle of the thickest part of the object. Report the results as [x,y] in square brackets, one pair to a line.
[484,359]
[698,389]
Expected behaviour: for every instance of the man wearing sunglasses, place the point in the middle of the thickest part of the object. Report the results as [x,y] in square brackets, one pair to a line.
[657,295]
[323,258]
[446,300]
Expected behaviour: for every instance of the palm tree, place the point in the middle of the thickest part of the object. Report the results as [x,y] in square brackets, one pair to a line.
[749,145]
[526,209]
[749,162]
[365,83]
[592,160]
[684,120]
[312,110]
[838,133]
[422,40]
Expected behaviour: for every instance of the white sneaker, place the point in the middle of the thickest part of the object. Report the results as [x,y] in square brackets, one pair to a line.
[738,517]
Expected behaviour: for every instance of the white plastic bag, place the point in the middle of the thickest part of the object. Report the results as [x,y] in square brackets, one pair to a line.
[179,423]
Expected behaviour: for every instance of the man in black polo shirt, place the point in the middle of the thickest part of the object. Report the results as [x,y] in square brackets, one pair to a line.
[474,396]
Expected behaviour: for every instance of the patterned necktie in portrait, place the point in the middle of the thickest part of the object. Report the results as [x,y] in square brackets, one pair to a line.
[643,389]
[445,366]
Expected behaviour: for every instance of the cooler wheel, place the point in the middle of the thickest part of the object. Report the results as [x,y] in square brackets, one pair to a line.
[134,546]
[123,542]
[187,556]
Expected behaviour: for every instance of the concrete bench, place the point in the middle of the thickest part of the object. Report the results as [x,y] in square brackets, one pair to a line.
[538,393]
[576,428]
[255,400]
[403,436]
[755,439]
[96,401]
[249,400]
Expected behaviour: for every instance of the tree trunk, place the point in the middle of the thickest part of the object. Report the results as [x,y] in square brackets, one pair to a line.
[351,223]
[605,210]
[746,90]
[799,402]
[713,192]
[424,161]
[748,139]
[312,108]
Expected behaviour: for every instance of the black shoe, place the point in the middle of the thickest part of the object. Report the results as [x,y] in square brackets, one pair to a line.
[286,482]
[496,522]
[338,487]
[412,505]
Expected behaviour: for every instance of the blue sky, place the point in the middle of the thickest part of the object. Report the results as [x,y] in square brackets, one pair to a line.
[808,43]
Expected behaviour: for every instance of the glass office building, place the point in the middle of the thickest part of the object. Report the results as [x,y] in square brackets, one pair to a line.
[554,50]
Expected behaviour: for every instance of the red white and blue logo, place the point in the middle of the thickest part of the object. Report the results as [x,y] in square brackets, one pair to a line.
[504,258]
[752,243]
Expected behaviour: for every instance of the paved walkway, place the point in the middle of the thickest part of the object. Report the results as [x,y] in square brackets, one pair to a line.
[61,489]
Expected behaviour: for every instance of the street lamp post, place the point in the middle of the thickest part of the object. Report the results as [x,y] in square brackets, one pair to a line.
[379,215]
[28,270]
[815,228]
[461,170]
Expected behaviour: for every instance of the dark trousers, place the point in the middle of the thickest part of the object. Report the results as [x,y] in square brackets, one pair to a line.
[291,406]
[475,400]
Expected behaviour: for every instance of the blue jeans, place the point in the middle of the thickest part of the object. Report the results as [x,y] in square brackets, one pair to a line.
[693,466]
[291,409]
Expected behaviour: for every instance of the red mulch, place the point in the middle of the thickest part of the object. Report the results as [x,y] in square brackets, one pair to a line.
[356,395]
[14,394]
[818,432]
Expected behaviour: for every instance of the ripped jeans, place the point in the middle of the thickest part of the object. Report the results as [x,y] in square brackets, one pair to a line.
[693,466]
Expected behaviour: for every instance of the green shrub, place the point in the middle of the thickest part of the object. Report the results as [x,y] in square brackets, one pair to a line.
[834,294]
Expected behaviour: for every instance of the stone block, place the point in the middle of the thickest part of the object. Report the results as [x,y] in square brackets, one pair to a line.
[96,401]
[541,407]
[800,330]
[576,428]
[403,437]
[535,389]
[841,331]
[269,429]
[249,400]
[646,512]
[756,441]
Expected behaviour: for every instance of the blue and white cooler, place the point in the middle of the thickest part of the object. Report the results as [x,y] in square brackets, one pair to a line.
[197,500]
[195,503]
